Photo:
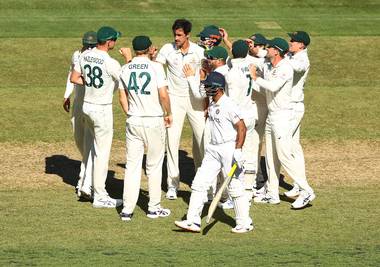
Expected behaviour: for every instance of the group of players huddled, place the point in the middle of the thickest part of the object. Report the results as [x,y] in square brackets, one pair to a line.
[233,97]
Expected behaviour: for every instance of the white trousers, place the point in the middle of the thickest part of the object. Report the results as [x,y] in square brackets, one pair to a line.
[280,151]
[217,158]
[99,122]
[299,110]
[193,109]
[143,132]
[262,114]
[250,151]
[81,134]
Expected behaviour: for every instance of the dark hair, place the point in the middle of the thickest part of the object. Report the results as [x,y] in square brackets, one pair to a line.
[183,24]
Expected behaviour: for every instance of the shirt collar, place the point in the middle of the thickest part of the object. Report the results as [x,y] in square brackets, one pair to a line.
[142,58]
[237,60]
[190,51]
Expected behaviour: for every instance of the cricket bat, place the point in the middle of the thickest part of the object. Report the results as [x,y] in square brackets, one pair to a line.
[218,195]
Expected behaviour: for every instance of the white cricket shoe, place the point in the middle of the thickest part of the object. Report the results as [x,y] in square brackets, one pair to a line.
[107,202]
[126,217]
[160,212]
[172,193]
[240,229]
[260,192]
[226,205]
[295,191]
[303,199]
[267,199]
[188,226]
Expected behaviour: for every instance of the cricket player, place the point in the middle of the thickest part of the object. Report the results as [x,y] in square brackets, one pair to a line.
[239,90]
[227,138]
[175,55]
[209,37]
[278,83]
[298,58]
[256,55]
[100,74]
[84,186]
[216,58]
[145,100]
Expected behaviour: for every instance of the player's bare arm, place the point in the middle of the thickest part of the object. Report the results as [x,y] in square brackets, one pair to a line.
[226,41]
[123,100]
[126,53]
[165,103]
[76,78]
[241,132]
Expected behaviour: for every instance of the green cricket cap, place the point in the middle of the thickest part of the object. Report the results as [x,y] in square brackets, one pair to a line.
[217,52]
[107,33]
[210,31]
[258,39]
[280,44]
[89,38]
[239,49]
[300,36]
[141,42]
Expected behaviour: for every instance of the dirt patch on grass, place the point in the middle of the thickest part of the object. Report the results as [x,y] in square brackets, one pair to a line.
[348,163]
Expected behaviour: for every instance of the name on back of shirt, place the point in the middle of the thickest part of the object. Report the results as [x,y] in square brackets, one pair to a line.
[138,66]
[94,60]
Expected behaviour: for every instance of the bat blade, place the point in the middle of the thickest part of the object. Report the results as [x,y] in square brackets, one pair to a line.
[218,195]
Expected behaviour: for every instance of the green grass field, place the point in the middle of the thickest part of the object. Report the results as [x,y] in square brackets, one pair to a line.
[42,223]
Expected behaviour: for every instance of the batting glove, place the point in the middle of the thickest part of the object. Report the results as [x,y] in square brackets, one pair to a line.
[238,157]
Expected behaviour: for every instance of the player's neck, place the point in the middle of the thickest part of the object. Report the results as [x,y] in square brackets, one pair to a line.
[276,60]
[185,47]
[102,47]
[218,95]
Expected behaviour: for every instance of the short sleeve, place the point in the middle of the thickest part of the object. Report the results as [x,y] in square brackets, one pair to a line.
[113,68]
[76,65]
[234,114]
[161,76]
[122,82]
[162,55]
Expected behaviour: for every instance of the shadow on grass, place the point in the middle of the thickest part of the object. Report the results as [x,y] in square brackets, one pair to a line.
[219,216]
[68,169]
[186,165]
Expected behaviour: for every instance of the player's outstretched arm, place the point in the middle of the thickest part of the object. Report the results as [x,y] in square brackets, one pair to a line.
[226,41]
[165,103]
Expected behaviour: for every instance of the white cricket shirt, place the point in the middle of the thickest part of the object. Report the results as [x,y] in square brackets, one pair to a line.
[101,74]
[142,78]
[175,60]
[223,115]
[239,83]
[79,89]
[301,65]
[277,82]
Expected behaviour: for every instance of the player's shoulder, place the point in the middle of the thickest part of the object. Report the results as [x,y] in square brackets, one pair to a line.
[197,49]
[76,54]
[156,65]
[168,47]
